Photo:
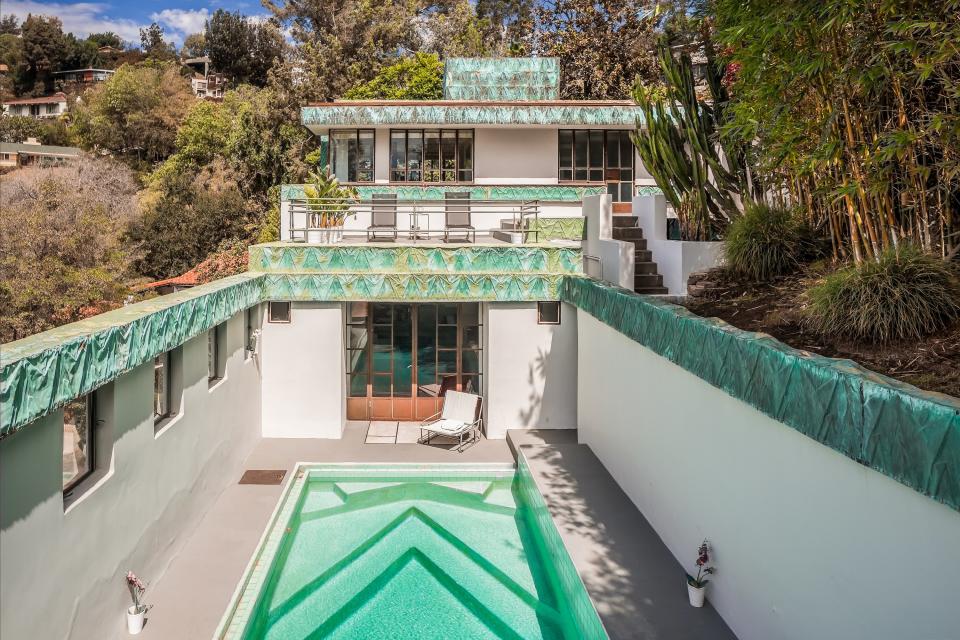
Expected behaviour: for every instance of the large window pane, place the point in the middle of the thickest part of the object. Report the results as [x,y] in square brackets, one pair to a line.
[398,156]
[414,156]
[596,156]
[352,155]
[465,156]
[77,440]
[365,157]
[448,155]
[580,149]
[431,156]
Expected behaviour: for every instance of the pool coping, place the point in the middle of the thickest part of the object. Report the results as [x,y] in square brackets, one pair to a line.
[236,618]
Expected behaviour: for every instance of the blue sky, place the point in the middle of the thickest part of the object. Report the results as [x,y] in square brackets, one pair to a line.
[177,17]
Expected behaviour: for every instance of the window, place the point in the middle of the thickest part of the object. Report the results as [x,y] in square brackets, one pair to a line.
[216,353]
[279,312]
[253,330]
[351,155]
[548,313]
[161,387]
[52,109]
[34,109]
[591,155]
[431,155]
[78,460]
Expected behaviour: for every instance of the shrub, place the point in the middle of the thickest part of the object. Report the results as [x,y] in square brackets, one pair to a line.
[765,242]
[906,294]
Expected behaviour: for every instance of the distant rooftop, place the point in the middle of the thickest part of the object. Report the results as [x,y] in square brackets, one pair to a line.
[38,149]
[58,73]
[51,99]
[501,79]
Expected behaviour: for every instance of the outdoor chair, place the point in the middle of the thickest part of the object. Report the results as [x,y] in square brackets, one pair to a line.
[383,218]
[460,417]
[456,207]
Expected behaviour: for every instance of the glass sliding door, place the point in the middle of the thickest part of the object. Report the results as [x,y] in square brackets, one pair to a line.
[416,353]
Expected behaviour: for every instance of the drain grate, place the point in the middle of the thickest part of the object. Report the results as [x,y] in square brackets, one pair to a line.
[263,476]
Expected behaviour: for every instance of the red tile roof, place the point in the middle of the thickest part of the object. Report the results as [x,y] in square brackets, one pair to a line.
[57,97]
[187,279]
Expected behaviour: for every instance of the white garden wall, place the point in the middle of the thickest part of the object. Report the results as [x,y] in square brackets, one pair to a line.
[61,573]
[303,373]
[809,544]
[530,370]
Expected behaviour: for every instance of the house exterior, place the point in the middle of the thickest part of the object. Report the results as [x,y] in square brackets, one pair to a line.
[210,86]
[30,154]
[84,76]
[52,106]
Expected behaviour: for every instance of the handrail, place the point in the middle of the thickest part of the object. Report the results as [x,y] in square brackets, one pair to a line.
[309,214]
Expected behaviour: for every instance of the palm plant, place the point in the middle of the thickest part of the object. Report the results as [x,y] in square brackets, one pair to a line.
[328,202]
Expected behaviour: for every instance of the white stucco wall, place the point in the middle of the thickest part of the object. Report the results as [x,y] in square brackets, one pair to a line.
[516,156]
[303,373]
[615,257]
[61,573]
[530,370]
[808,543]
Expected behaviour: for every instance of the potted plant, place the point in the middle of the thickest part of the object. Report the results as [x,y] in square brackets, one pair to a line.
[328,204]
[697,586]
[136,613]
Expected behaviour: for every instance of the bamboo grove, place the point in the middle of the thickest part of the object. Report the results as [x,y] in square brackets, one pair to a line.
[851,111]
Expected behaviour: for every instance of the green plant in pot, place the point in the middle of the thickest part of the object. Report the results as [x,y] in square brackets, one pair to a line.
[328,205]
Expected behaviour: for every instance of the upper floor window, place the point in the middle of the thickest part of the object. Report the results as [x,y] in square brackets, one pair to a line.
[216,353]
[431,155]
[78,425]
[351,155]
[593,155]
[161,387]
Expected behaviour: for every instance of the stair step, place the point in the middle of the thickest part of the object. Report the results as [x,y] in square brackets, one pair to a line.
[642,255]
[509,224]
[627,233]
[647,280]
[624,221]
[651,291]
[644,266]
[513,237]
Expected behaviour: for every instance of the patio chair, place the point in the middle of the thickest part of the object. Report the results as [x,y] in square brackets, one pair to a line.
[383,217]
[460,417]
[456,207]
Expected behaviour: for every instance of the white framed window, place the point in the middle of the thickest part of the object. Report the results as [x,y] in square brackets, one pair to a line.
[279,312]
[161,387]
[78,441]
[548,313]
[216,353]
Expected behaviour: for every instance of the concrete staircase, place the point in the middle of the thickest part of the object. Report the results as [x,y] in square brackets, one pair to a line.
[645,279]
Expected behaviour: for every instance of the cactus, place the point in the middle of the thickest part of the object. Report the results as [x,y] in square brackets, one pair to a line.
[679,146]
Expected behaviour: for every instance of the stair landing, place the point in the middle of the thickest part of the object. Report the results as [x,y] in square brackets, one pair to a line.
[646,280]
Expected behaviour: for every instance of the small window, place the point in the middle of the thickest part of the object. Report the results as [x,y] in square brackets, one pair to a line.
[78,460]
[253,331]
[161,387]
[279,312]
[548,313]
[216,353]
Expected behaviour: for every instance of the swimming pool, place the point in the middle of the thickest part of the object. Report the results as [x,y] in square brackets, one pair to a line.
[411,551]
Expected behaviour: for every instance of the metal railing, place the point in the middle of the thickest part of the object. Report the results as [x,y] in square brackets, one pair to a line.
[330,219]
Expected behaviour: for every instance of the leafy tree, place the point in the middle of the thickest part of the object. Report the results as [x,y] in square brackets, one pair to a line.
[9,25]
[194,45]
[11,54]
[604,46]
[62,252]
[419,77]
[242,49]
[458,31]
[153,44]
[507,22]
[135,113]
[106,39]
[43,45]
[19,128]
[80,54]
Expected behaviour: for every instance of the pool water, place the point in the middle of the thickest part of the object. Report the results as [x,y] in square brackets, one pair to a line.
[424,555]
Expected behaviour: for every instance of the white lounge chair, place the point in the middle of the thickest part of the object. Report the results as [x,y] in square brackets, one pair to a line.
[460,417]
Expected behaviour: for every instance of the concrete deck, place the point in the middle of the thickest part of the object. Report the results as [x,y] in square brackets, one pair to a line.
[191,596]
[635,582]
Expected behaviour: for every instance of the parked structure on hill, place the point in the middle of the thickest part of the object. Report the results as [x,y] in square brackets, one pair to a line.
[52,106]
[31,153]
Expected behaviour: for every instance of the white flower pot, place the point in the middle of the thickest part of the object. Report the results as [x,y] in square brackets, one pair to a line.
[315,235]
[135,620]
[696,594]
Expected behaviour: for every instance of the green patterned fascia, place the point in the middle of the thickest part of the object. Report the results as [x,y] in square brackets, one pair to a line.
[544,192]
[385,258]
[559,229]
[472,114]
[498,79]
[414,287]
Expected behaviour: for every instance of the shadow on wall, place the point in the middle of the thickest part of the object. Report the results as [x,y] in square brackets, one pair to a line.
[536,373]
[635,582]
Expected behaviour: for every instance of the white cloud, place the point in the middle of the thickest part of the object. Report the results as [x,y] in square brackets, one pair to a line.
[179,23]
[80,18]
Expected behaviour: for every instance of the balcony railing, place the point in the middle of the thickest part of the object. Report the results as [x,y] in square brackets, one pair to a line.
[319,220]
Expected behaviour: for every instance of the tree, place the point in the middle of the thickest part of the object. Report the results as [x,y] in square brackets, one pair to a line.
[18,128]
[459,32]
[507,22]
[106,39]
[418,77]
[62,247]
[153,44]
[242,49]
[43,45]
[194,45]
[9,25]
[604,46]
[135,113]
[80,54]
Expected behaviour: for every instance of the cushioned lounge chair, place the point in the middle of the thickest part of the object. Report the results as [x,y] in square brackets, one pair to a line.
[460,418]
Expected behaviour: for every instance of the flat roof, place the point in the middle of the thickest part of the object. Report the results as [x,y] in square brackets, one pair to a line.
[13,147]
[56,73]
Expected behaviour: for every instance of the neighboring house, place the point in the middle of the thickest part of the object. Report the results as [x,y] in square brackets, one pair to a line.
[83,76]
[205,85]
[171,285]
[32,154]
[52,106]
